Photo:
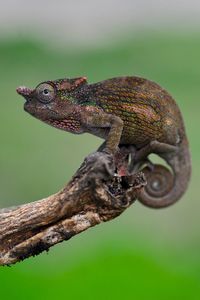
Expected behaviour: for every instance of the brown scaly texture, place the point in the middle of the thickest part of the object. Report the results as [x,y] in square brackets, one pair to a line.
[149,114]
[148,111]
[128,111]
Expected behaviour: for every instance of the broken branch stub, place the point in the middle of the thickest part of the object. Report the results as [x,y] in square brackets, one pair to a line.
[93,195]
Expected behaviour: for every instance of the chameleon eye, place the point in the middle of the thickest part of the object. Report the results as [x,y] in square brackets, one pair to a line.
[45,92]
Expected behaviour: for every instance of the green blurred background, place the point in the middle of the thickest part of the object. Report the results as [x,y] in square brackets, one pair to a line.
[143,254]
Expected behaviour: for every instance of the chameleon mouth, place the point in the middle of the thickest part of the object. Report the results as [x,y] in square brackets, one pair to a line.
[24,91]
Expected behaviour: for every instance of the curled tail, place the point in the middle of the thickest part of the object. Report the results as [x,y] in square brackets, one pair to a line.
[164,187]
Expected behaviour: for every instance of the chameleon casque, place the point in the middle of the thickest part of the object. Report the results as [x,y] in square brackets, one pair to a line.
[129,112]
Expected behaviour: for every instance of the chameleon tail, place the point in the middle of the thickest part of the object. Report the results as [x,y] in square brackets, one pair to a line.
[163,187]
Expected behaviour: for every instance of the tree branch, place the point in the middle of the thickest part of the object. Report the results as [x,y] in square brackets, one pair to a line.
[94,195]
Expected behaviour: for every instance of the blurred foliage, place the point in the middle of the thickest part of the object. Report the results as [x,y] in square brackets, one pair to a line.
[143,254]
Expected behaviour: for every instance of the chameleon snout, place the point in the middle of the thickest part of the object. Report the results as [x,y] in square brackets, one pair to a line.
[24,91]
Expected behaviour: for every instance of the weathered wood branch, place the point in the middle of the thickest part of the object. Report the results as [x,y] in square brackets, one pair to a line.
[94,195]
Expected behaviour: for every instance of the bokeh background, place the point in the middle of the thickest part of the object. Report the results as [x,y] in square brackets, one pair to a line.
[145,253]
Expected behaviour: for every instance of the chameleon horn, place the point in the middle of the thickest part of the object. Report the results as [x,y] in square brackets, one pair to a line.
[160,182]
[24,91]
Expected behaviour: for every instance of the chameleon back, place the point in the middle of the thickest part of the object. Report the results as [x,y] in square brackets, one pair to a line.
[147,110]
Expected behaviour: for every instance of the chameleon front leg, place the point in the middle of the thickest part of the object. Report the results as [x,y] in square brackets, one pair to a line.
[94,120]
[121,158]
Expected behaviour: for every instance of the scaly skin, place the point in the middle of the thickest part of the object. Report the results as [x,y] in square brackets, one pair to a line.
[126,111]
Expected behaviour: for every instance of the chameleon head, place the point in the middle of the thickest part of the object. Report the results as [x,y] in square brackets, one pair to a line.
[40,101]
[51,99]
[53,102]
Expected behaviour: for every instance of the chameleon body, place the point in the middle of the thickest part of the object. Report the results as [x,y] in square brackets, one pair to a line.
[128,111]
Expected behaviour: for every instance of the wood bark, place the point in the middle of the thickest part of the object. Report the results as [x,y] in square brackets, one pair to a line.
[94,195]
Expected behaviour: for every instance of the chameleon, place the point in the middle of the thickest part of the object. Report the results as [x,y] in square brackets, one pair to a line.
[130,112]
